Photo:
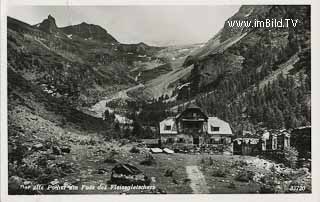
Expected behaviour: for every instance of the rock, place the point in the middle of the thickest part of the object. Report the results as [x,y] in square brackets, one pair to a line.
[76,182]
[14,182]
[110,160]
[55,182]
[160,191]
[134,150]
[67,184]
[99,152]
[66,167]
[102,171]
[37,147]
[65,149]
[153,179]
[51,157]
[232,185]
[175,181]
[56,150]
[26,183]
[169,173]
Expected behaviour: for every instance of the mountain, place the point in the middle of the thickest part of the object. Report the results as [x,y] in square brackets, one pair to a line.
[89,31]
[80,61]
[242,74]
[48,25]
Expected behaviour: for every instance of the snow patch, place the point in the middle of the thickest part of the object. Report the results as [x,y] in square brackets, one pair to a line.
[183,85]
[183,50]
[248,14]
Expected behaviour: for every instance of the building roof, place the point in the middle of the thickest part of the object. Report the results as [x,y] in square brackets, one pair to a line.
[192,106]
[150,141]
[249,134]
[302,127]
[266,134]
[224,127]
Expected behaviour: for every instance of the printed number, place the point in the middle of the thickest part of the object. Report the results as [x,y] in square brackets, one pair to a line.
[297,188]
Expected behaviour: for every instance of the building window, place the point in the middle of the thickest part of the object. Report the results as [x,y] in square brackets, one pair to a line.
[214,128]
[167,127]
[286,140]
[274,143]
[170,140]
[181,140]
[215,141]
[223,141]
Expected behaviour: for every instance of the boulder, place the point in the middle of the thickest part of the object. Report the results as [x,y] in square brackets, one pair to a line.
[65,149]
[56,150]
[110,160]
[134,150]
[54,182]
[66,167]
[101,171]
[169,173]
[51,157]
[127,174]
[37,147]
[14,183]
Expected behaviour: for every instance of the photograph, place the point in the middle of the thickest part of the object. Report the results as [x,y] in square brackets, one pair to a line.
[158,99]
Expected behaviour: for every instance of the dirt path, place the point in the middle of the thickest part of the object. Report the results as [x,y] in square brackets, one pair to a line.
[198,183]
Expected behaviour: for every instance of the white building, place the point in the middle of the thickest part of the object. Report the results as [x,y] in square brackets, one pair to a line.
[194,127]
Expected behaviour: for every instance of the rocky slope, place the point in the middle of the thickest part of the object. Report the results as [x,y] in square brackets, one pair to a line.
[237,59]
[234,48]
[82,62]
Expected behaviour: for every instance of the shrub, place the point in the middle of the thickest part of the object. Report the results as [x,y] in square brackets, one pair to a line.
[202,161]
[220,172]
[110,160]
[244,176]
[232,185]
[134,150]
[92,142]
[290,157]
[111,157]
[148,161]
[210,161]
[239,163]
[265,188]
[175,181]
[186,180]
[169,173]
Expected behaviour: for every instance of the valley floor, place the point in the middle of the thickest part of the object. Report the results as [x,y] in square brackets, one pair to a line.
[57,155]
[192,173]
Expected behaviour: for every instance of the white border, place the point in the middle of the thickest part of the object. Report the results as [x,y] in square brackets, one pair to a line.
[182,197]
[155,2]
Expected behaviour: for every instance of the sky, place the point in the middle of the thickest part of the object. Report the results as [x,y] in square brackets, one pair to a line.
[154,25]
